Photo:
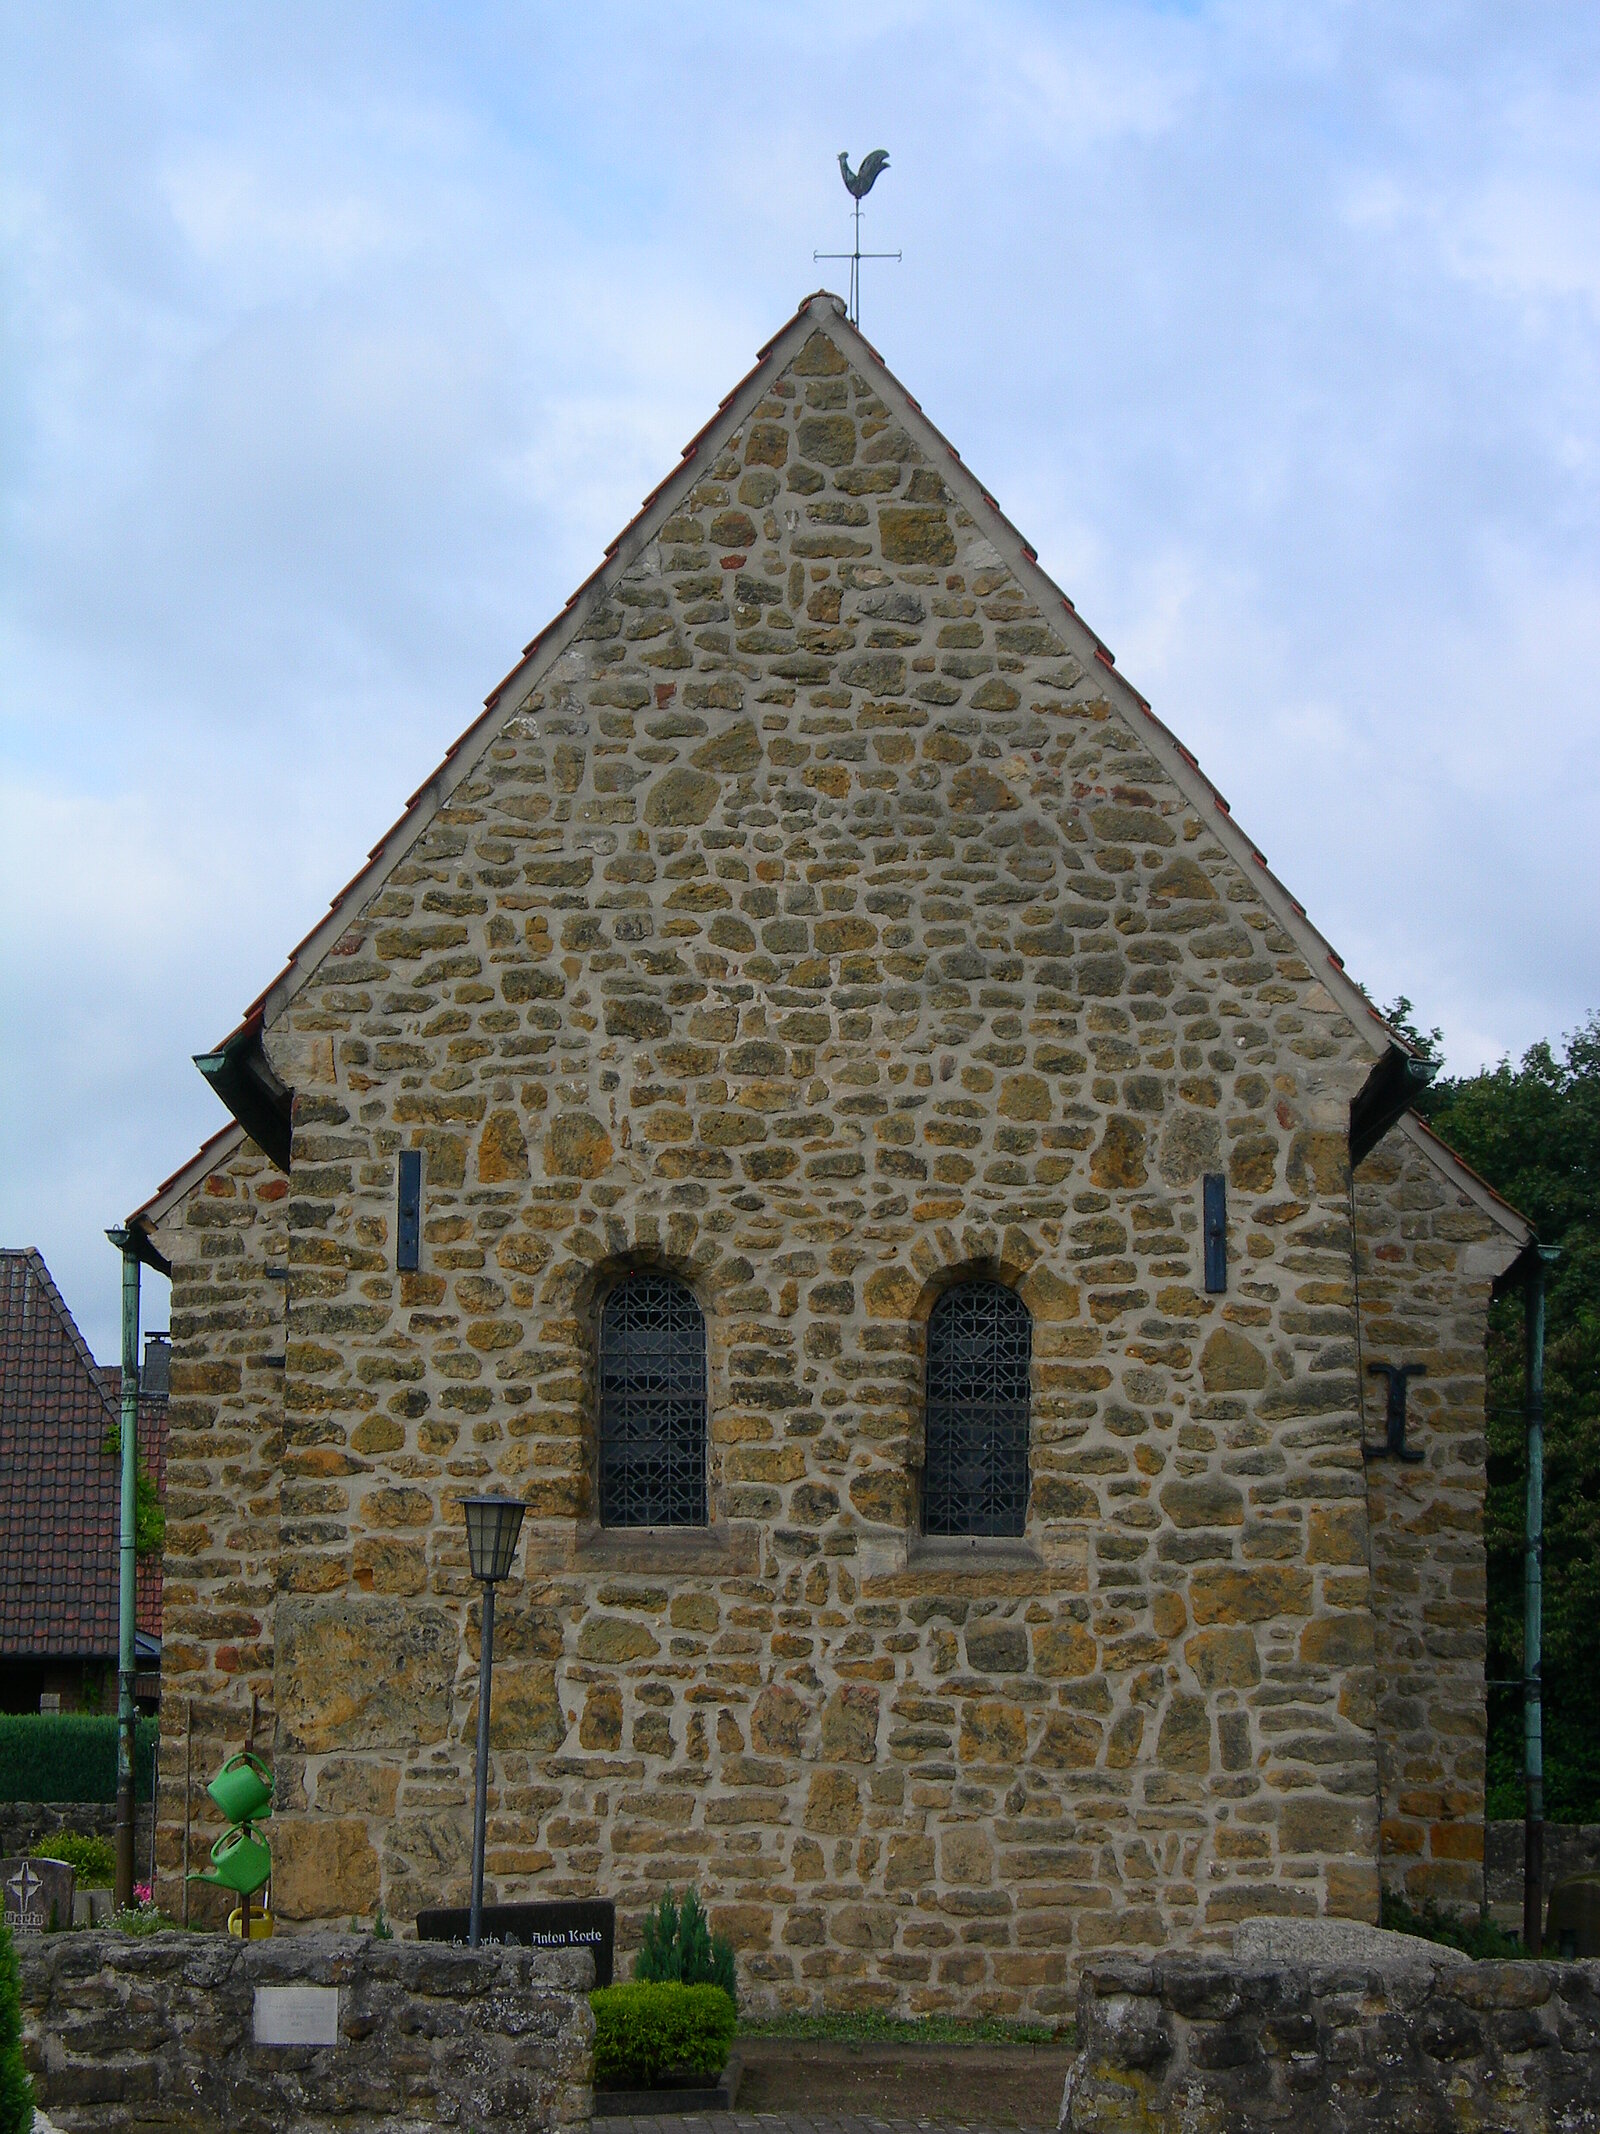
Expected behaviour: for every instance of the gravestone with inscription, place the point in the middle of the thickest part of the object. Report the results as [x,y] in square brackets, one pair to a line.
[585,1923]
[37,1894]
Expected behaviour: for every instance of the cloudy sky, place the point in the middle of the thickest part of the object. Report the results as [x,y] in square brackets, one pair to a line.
[339,340]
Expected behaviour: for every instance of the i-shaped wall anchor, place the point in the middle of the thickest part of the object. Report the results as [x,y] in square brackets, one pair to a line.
[1394,1446]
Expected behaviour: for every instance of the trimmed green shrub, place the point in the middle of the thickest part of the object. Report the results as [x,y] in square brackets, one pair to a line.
[679,1945]
[92,1860]
[16,2091]
[69,1756]
[649,2030]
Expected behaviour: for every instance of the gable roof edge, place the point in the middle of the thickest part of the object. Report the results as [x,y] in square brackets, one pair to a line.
[1179,763]
[1444,1159]
[147,1218]
[824,310]
[63,1311]
[538,655]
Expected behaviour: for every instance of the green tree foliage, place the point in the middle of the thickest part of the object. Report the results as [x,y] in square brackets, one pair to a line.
[1533,1132]
[678,1944]
[149,1513]
[16,2091]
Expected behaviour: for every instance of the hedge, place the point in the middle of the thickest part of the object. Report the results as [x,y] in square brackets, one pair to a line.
[644,2031]
[69,1756]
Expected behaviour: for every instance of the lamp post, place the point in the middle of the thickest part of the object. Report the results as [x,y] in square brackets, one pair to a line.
[493,1524]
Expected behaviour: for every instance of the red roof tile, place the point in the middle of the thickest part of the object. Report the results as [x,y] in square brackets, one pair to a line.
[58,1479]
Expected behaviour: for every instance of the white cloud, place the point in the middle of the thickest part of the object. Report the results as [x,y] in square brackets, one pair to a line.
[339,344]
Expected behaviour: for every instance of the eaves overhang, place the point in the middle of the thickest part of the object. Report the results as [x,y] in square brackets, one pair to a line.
[1388,1093]
[242,1076]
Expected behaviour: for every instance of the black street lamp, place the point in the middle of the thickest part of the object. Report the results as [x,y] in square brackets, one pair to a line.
[493,1524]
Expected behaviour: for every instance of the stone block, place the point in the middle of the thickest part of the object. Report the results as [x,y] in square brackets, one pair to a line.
[364,1674]
[322,1865]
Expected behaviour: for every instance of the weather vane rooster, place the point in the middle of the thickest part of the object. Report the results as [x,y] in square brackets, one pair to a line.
[858,183]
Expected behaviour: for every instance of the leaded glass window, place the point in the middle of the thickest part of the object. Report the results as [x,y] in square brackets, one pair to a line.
[975,1473]
[652,1404]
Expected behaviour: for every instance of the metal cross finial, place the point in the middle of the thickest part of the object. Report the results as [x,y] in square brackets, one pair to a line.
[858,183]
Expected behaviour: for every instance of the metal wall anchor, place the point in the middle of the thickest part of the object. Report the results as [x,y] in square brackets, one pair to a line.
[1394,1446]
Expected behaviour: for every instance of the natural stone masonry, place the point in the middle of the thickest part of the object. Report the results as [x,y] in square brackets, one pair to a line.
[1201,2043]
[126,2033]
[819,921]
[222,1227]
[1429,1249]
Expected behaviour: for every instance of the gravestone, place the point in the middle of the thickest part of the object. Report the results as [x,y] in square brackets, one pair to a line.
[589,1923]
[38,1895]
[1572,1928]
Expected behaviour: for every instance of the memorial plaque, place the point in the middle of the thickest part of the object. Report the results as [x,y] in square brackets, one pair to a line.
[38,1895]
[586,1924]
[297,2015]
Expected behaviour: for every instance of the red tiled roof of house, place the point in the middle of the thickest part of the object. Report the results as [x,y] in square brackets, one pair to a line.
[59,1478]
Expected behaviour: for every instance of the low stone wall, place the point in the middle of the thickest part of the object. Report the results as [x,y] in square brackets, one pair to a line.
[1569,1849]
[160,2033]
[1376,2039]
[24,1823]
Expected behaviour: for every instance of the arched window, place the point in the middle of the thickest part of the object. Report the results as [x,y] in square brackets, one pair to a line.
[975,1476]
[652,1404]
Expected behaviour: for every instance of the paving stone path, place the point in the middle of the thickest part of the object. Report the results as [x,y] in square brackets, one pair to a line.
[786,2123]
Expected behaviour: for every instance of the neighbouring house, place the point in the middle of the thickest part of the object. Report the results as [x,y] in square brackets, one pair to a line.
[819,1098]
[60,1485]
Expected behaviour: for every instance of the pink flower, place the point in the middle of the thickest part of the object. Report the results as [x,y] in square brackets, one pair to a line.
[142,1892]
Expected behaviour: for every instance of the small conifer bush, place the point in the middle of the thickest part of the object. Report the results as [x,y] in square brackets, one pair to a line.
[16,2091]
[679,1946]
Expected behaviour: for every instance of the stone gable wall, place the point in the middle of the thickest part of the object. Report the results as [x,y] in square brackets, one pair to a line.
[817,930]
[224,1476]
[1428,1257]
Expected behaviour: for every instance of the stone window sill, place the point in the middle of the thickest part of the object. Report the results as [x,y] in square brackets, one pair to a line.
[718,1549]
[978,1552]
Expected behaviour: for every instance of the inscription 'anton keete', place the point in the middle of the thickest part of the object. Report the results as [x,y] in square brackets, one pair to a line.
[590,1924]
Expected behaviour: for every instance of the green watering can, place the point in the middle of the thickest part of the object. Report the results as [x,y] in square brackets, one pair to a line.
[239,1861]
[242,1789]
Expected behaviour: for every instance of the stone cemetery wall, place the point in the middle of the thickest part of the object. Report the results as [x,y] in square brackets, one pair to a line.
[1569,1849]
[24,1824]
[1368,2042]
[123,2033]
[815,929]
[1428,1257]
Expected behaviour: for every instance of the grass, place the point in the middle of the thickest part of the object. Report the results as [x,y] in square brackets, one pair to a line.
[869,2029]
[140,1920]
